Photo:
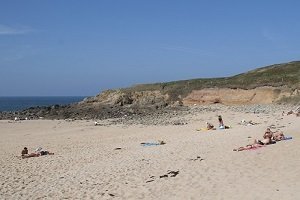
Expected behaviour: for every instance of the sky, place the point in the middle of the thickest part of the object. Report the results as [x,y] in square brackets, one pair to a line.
[80,48]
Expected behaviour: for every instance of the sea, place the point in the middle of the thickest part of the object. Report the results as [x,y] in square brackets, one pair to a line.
[21,103]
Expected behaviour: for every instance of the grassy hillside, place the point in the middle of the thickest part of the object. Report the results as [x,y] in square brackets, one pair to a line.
[286,74]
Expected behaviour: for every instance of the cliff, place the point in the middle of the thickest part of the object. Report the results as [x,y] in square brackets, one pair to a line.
[278,83]
[271,84]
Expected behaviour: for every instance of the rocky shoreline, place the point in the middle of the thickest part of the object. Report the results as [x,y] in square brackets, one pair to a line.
[168,115]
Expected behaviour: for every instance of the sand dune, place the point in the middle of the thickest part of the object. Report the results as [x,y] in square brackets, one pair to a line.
[108,162]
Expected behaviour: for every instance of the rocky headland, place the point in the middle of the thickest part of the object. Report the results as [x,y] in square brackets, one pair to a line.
[263,87]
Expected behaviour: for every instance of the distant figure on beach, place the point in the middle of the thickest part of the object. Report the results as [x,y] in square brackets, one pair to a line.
[221,123]
[24,151]
[209,126]
[38,152]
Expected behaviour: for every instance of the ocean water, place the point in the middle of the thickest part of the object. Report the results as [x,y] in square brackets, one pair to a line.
[21,103]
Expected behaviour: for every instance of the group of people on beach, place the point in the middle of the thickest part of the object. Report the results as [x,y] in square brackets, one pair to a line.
[209,126]
[269,137]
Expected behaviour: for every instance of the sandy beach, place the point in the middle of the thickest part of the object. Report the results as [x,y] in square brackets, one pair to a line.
[109,162]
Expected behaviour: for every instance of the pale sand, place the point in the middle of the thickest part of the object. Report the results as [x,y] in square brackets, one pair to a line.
[87,166]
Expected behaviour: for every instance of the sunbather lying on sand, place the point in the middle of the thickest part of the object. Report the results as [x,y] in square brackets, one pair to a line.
[249,146]
[256,144]
[268,139]
[38,152]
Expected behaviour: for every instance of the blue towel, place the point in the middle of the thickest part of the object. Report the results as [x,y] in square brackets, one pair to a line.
[288,138]
[150,144]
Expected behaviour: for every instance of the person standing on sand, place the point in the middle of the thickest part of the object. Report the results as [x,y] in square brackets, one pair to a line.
[221,123]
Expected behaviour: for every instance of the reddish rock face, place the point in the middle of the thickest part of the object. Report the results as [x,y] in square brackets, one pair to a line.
[262,95]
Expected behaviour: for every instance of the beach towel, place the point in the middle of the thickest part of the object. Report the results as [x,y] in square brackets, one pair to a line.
[160,142]
[203,129]
[145,144]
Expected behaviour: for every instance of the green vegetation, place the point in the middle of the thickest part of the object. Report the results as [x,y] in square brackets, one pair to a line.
[287,74]
[294,100]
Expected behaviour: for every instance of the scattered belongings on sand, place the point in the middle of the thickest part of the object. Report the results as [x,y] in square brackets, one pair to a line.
[292,112]
[247,123]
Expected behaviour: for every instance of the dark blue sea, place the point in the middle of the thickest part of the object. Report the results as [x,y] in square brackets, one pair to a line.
[21,103]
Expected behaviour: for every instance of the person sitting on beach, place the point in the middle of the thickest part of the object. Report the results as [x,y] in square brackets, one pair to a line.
[209,126]
[268,138]
[275,136]
[278,136]
[268,134]
[24,151]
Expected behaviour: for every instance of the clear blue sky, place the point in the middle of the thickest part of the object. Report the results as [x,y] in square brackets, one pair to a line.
[55,47]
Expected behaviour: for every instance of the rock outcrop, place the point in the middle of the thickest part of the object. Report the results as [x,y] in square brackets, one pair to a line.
[153,99]
[272,84]
[261,95]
